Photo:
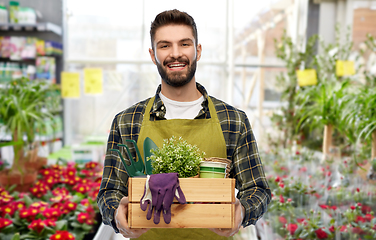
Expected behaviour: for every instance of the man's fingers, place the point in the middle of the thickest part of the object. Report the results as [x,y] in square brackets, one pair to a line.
[121,221]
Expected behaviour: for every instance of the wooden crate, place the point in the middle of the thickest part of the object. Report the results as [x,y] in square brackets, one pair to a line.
[210,204]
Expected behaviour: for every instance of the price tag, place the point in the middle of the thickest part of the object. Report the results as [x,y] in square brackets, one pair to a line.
[306,77]
[345,68]
[70,85]
[93,80]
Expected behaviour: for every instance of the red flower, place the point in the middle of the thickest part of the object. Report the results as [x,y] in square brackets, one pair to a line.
[333,208]
[52,213]
[343,229]
[366,209]
[81,188]
[91,165]
[85,202]
[332,229]
[357,230]
[24,213]
[283,220]
[324,206]
[71,206]
[84,218]
[7,209]
[49,222]
[301,220]
[368,217]
[292,228]
[70,172]
[321,234]
[281,199]
[359,219]
[62,235]
[5,222]
[353,207]
[37,225]
[18,205]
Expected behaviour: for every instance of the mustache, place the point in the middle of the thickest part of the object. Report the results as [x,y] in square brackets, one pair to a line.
[180,60]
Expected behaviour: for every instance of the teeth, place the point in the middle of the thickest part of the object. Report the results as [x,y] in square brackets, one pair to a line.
[177,65]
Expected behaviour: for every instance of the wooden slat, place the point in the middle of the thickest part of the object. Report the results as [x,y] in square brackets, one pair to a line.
[186,216]
[194,189]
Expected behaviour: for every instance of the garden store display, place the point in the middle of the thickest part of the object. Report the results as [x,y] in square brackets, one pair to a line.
[60,205]
[25,105]
[320,168]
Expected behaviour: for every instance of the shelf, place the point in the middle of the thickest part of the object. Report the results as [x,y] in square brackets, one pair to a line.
[39,27]
[8,137]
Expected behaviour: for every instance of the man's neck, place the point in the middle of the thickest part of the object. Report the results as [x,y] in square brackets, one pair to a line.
[186,93]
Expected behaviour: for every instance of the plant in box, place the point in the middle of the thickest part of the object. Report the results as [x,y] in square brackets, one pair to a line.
[176,155]
[23,106]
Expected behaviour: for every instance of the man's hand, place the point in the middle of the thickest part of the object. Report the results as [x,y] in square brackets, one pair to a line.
[121,220]
[239,216]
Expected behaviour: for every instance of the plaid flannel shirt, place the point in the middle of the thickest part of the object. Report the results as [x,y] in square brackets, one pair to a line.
[247,169]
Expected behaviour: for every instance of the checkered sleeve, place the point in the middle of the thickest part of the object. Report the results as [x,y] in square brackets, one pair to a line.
[254,192]
[114,185]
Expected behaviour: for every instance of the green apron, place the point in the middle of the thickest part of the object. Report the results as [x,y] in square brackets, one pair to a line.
[207,135]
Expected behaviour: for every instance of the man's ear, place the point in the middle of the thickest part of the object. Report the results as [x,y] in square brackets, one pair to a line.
[199,50]
[151,52]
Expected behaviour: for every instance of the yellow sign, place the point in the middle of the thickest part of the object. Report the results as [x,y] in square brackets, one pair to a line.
[93,80]
[70,85]
[306,77]
[345,68]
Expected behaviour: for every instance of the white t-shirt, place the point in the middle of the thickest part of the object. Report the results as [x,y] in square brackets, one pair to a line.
[181,110]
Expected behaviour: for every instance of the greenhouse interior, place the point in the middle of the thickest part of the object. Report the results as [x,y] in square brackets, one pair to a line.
[290,85]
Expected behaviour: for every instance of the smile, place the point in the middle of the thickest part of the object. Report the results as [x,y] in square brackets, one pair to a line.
[176,66]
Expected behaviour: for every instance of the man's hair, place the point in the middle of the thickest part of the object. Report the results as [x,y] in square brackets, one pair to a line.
[172,17]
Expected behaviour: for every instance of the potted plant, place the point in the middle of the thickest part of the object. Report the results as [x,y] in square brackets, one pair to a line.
[322,106]
[22,107]
[176,155]
[294,57]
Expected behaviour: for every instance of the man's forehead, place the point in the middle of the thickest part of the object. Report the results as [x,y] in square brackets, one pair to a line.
[174,33]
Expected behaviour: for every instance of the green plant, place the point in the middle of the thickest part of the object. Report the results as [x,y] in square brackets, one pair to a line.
[294,58]
[322,105]
[176,155]
[22,107]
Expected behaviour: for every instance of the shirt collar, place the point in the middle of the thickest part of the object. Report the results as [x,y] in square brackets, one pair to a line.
[159,110]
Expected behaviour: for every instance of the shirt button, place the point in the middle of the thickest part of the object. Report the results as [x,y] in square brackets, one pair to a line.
[162,108]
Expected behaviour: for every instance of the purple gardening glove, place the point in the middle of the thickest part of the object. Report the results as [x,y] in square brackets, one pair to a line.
[163,187]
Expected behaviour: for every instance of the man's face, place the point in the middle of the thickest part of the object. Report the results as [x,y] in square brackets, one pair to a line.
[175,54]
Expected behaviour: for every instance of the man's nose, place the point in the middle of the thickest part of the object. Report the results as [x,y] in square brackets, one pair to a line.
[175,52]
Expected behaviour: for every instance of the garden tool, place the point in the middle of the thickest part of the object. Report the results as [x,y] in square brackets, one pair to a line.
[162,188]
[137,168]
[148,146]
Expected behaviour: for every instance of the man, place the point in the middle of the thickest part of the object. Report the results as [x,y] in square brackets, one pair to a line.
[217,128]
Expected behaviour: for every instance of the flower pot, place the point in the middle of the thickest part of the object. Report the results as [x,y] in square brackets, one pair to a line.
[36,165]
[212,170]
[22,181]
[208,174]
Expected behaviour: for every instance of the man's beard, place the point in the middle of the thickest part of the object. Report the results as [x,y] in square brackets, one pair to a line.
[177,79]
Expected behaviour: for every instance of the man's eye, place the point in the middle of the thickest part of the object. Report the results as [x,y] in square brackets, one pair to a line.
[163,46]
[185,44]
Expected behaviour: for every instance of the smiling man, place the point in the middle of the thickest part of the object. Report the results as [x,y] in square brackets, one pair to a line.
[182,107]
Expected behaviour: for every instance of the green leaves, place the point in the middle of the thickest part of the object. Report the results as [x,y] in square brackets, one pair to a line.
[176,155]
[25,105]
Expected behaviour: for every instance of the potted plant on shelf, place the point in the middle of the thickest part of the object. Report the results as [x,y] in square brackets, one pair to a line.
[22,107]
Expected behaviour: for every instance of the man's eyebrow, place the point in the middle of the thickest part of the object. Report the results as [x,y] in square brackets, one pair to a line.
[186,39]
[162,41]
[182,40]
